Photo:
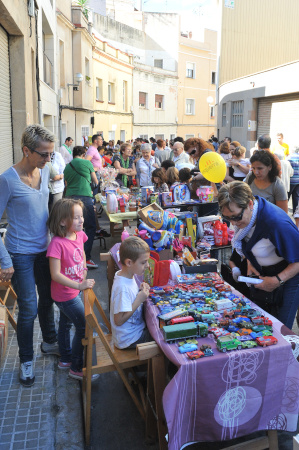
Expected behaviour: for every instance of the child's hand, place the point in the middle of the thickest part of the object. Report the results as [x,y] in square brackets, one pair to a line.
[143,293]
[144,285]
[87,284]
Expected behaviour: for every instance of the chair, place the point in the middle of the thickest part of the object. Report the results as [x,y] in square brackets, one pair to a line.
[109,359]
[9,294]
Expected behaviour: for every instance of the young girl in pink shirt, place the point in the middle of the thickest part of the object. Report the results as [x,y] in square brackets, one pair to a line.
[68,273]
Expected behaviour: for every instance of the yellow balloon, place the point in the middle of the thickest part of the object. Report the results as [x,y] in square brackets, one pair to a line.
[212,166]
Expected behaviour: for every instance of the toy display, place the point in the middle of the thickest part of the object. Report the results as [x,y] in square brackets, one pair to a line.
[203,304]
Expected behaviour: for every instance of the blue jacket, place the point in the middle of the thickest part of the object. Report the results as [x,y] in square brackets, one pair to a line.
[274,224]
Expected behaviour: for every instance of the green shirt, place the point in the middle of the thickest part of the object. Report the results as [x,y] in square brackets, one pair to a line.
[78,183]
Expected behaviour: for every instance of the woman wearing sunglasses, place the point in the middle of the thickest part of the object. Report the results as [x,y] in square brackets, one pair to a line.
[269,240]
[24,196]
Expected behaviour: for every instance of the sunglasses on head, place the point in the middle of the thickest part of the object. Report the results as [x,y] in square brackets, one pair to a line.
[234,218]
[192,152]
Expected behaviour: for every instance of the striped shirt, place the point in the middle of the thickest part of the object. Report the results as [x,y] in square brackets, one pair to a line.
[294,160]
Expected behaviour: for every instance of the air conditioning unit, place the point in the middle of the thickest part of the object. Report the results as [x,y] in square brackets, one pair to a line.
[31,8]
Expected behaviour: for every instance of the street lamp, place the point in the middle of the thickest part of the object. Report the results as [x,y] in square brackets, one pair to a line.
[78,79]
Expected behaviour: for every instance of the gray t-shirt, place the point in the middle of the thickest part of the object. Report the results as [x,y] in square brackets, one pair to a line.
[27,215]
[162,155]
[273,193]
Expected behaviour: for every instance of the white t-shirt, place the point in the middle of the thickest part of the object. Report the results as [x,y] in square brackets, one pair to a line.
[124,293]
[264,251]
[237,171]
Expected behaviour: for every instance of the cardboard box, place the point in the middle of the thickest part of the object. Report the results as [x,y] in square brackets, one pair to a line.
[143,213]
[3,332]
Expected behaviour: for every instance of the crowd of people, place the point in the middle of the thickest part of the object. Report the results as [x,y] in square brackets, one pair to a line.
[253,198]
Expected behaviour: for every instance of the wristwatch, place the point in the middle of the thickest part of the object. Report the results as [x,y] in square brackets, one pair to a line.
[280,280]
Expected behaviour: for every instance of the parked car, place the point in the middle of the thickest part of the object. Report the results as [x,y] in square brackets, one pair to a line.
[266,340]
[249,344]
[244,331]
[187,348]
[196,354]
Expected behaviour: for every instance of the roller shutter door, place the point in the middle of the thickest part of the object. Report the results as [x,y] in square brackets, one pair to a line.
[280,114]
[6,150]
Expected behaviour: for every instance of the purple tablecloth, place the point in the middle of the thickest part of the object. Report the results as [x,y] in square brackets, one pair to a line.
[230,394]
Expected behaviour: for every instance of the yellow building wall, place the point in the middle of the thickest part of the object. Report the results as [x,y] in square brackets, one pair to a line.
[110,65]
[257,35]
[199,88]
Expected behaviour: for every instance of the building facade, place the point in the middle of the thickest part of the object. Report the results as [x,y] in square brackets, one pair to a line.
[75,73]
[18,81]
[258,83]
[112,92]
[197,86]
[154,102]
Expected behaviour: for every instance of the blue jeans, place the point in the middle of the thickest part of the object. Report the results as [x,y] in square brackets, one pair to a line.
[90,226]
[294,192]
[287,312]
[71,312]
[31,270]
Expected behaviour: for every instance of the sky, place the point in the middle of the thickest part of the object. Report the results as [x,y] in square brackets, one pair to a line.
[175,5]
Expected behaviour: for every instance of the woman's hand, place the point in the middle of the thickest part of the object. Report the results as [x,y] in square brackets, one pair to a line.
[87,284]
[268,284]
[6,274]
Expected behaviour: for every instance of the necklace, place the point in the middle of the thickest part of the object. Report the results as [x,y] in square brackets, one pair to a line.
[24,173]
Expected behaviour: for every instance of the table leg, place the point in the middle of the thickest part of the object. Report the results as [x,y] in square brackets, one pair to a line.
[273,439]
[150,413]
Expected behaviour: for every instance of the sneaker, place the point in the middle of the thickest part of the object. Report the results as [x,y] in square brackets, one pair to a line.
[64,365]
[79,375]
[91,265]
[103,233]
[50,349]
[26,374]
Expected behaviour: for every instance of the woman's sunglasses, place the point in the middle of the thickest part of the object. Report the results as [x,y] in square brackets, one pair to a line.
[234,218]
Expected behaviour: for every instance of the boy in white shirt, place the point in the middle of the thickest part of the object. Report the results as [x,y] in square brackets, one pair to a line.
[126,313]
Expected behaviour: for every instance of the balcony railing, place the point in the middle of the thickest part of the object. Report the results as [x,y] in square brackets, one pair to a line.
[48,71]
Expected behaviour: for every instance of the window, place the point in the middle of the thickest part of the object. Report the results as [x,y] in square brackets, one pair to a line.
[172,136]
[85,131]
[99,89]
[213,80]
[111,93]
[212,112]
[87,74]
[143,136]
[237,113]
[190,70]
[159,101]
[124,95]
[159,136]
[190,106]
[142,99]
[224,114]
[158,63]
[111,135]
[188,136]
[61,64]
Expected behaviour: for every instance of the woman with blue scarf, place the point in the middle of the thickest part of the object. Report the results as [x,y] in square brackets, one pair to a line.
[269,240]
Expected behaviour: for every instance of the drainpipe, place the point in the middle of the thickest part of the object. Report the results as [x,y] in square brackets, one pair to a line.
[39,102]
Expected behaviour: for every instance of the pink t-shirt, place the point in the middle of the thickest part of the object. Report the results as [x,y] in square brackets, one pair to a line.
[71,255]
[96,159]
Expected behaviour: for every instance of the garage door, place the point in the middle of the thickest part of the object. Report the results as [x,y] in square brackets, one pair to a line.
[6,150]
[280,115]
